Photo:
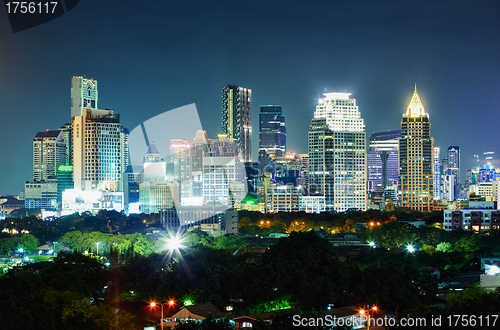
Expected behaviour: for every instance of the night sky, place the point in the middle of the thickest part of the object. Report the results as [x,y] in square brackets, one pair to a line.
[153,56]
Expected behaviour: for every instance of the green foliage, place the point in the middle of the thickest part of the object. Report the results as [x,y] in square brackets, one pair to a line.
[122,243]
[303,266]
[80,314]
[428,249]
[198,238]
[474,301]
[26,241]
[444,247]
[272,305]
[391,283]
[394,234]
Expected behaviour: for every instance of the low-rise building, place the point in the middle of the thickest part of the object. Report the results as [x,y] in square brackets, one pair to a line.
[40,194]
[283,199]
[194,313]
[480,216]
[312,204]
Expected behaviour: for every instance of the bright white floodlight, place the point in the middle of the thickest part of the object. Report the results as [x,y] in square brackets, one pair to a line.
[174,242]
[410,248]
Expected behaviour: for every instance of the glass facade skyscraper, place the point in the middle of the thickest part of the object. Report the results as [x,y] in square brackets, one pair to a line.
[237,118]
[272,131]
[454,168]
[337,153]
[382,161]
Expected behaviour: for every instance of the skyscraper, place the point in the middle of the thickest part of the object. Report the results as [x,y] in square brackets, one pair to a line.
[454,168]
[337,153]
[382,162]
[180,156]
[66,131]
[416,189]
[83,95]
[237,118]
[437,174]
[97,150]
[272,130]
[49,152]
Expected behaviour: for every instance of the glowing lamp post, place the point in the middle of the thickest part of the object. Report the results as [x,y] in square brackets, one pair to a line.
[367,312]
[170,303]
[174,243]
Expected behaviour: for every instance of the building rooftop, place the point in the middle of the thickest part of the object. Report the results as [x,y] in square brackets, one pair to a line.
[48,134]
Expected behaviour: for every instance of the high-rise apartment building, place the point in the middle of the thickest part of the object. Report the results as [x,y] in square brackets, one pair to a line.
[98,154]
[337,153]
[49,152]
[83,95]
[416,189]
[272,130]
[237,118]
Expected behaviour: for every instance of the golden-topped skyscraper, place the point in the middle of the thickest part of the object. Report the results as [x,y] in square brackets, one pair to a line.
[415,158]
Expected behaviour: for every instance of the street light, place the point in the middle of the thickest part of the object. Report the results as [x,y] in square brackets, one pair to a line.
[175,243]
[367,311]
[170,303]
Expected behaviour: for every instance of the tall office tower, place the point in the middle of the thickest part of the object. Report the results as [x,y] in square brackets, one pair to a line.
[223,176]
[272,130]
[437,174]
[49,152]
[68,139]
[304,172]
[154,167]
[416,189]
[199,142]
[337,153]
[221,147]
[454,167]
[97,150]
[83,95]
[447,188]
[180,156]
[382,162]
[237,118]
[288,169]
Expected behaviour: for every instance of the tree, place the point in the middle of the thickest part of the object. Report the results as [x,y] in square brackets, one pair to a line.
[444,247]
[305,267]
[393,283]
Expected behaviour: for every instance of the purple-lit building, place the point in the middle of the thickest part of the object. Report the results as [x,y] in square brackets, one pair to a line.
[382,163]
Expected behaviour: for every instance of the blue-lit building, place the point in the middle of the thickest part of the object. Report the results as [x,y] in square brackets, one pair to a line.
[382,163]
[272,130]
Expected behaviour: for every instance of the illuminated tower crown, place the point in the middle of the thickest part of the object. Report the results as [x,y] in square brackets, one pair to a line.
[415,108]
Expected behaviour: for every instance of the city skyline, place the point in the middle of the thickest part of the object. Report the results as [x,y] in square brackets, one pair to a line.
[144,68]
